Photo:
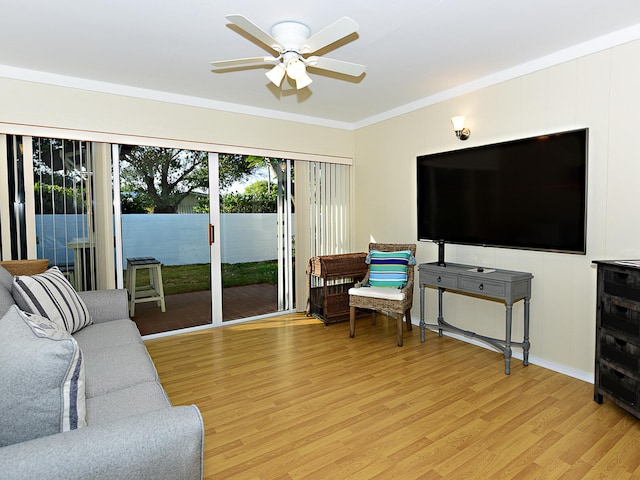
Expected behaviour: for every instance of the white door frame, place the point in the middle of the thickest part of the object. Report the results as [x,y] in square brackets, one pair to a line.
[214,243]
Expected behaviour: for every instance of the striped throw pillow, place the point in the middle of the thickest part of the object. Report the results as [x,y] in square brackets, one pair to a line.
[50,295]
[389,269]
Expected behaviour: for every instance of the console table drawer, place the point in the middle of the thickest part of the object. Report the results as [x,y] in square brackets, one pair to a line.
[440,280]
[482,287]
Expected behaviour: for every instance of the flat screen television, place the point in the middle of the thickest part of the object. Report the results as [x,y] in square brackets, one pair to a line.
[529,193]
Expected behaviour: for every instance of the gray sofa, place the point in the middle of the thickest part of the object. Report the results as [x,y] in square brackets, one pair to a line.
[132,431]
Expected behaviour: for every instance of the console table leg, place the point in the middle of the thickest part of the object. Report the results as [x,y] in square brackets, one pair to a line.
[525,344]
[507,343]
[422,322]
[440,317]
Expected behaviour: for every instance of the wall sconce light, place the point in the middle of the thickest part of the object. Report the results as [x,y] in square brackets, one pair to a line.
[458,125]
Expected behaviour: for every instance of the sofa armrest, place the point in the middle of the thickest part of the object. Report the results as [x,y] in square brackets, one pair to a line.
[106,305]
[164,444]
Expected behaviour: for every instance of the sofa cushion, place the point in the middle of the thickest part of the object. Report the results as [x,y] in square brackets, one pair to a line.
[107,335]
[126,402]
[51,295]
[117,367]
[6,283]
[6,278]
[42,377]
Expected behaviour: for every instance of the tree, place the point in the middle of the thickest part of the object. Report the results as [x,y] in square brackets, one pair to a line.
[59,183]
[257,198]
[163,177]
[131,203]
[261,187]
[232,168]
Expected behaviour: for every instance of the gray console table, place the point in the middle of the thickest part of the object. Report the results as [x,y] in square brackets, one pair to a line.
[506,285]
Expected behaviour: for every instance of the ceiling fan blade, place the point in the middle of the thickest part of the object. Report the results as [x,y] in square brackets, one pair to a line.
[338,66]
[330,34]
[255,31]
[243,62]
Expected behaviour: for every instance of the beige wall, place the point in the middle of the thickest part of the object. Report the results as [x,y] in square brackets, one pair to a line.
[600,92]
[28,103]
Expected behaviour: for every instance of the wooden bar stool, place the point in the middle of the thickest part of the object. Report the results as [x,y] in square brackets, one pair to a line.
[153,292]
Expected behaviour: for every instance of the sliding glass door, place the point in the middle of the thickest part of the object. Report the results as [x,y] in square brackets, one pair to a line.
[256,239]
[221,225]
[164,210]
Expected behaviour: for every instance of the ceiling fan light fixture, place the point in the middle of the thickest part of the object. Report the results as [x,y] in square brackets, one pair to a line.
[296,69]
[303,81]
[293,42]
[276,74]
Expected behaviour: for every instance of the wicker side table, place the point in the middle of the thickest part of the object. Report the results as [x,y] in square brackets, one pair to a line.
[329,278]
[26,267]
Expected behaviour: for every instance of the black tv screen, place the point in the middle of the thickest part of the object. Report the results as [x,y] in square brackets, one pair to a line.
[529,193]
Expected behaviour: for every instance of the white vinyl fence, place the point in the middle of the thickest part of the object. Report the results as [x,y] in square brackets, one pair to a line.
[172,239]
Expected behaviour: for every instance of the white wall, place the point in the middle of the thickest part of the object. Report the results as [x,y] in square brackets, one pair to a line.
[599,91]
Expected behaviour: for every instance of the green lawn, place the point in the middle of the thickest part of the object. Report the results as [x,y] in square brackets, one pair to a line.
[196,277]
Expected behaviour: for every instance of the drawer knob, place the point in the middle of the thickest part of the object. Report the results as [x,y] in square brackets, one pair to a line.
[439,279]
[481,286]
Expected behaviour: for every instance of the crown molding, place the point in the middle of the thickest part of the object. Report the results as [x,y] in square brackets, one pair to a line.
[46,78]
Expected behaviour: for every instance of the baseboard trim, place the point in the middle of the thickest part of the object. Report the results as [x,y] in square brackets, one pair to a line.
[517,353]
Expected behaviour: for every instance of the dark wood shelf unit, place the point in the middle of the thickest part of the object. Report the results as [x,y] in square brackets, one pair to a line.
[617,358]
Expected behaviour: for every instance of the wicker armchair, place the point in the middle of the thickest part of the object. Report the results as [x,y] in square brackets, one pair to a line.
[396,302]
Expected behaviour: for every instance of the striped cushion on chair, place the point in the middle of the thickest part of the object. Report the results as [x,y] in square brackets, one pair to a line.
[389,269]
[50,295]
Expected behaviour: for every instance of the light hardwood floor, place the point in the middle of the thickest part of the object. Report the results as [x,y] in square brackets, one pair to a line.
[291,398]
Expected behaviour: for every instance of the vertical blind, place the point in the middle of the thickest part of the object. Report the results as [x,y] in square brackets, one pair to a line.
[323,216]
[329,202]
[63,185]
[13,241]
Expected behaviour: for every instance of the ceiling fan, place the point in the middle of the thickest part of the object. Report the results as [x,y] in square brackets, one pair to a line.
[294,44]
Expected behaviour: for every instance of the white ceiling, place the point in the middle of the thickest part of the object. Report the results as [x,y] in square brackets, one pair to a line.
[415,51]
